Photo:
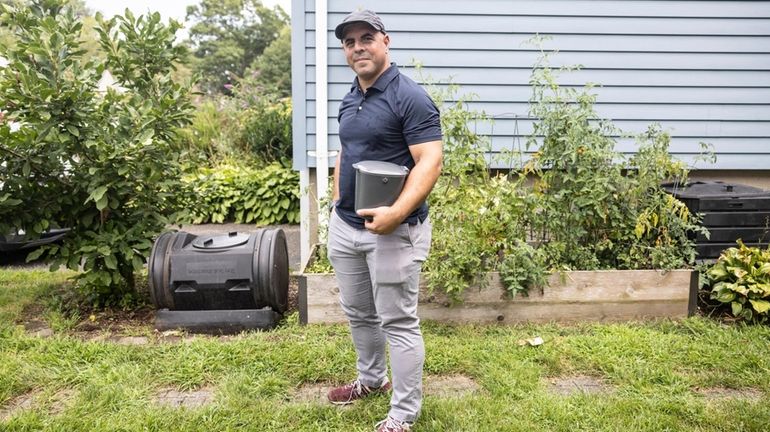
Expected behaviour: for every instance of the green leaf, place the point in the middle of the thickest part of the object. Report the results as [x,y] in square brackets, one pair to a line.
[736,308]
[717,272]
[761,306]
[10,202]
[97,193]
[145,138]
[111,262]
[35,254]
[73,130]
[137,262]
[102,203]
[765,268]
[725,296]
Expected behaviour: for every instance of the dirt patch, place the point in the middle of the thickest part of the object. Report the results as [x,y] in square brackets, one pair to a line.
[33,324]
[115,321]
[20,403]
[129,327]
[37,328]
[578,384]
[454,386]
[293,299]
[312,393]
[180,399]
[722,393]
[174,337]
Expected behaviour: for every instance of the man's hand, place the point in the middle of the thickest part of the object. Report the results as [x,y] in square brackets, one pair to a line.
[380,220]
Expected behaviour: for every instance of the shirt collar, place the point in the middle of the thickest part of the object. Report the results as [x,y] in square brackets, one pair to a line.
[382,82]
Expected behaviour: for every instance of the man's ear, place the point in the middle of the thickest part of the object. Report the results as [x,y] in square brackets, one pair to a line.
[386,40]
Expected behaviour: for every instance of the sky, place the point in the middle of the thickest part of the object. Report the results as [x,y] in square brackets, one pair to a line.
[176,9]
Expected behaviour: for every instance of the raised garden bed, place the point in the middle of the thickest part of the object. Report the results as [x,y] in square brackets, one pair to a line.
[604,295]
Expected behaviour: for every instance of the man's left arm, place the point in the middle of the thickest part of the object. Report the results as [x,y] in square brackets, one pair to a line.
[427,168]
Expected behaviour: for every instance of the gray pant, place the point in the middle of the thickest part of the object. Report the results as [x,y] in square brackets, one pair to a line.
[379,276]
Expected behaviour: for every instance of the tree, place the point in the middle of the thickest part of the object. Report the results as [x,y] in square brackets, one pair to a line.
[273,67]
[102,164]
[228,36]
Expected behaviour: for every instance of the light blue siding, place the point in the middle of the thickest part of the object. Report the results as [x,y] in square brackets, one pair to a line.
[699,68]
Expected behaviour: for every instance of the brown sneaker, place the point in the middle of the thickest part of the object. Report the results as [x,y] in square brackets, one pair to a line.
[392,425]
[350,392]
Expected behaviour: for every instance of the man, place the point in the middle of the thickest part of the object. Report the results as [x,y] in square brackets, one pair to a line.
[377,253]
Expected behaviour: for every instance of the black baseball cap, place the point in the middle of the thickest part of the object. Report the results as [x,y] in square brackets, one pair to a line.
[364,16]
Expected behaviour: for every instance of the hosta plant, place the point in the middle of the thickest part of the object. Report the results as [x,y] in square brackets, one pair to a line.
[741,278]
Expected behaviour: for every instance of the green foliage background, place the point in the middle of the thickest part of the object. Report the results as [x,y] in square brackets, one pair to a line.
[262,195]
[228,36]
[103,165]
[111,165]
[575,204]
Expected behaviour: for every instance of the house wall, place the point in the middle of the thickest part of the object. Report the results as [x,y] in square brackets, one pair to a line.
[701,69]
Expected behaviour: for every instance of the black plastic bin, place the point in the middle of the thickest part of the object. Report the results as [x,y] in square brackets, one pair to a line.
[232,272]
[730,212]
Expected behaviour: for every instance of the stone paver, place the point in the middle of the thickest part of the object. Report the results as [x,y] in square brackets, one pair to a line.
[20,403]
[42,333]
[569,385]
[723,393]
[56,404]
[179,399]
[61,400]
[453,386]
[132,340]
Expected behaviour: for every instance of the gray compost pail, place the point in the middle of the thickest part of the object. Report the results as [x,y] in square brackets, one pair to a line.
[378,183]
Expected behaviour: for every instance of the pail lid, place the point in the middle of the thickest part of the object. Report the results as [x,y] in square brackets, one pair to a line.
[381,168]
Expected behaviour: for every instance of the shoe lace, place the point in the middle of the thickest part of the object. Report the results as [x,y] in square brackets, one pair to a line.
[391,424]
[356,389]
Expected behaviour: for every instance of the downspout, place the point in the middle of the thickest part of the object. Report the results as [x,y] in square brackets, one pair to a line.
[321,108]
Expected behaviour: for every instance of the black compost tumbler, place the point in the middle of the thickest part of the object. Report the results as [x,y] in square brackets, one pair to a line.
[221,282]
[730,212]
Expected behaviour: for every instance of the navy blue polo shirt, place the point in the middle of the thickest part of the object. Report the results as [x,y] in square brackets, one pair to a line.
[381,125]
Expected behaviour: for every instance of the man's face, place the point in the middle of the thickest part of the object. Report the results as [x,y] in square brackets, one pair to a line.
[366,51]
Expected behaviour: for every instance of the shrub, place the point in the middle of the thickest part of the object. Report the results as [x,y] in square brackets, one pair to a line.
[741,278]
[588,212]
[250,124]
[266,131]
[576,204]
[104,165]
[211,135]
[243,194]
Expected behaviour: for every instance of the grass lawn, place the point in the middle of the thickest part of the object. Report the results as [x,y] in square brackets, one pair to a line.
[693,375]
